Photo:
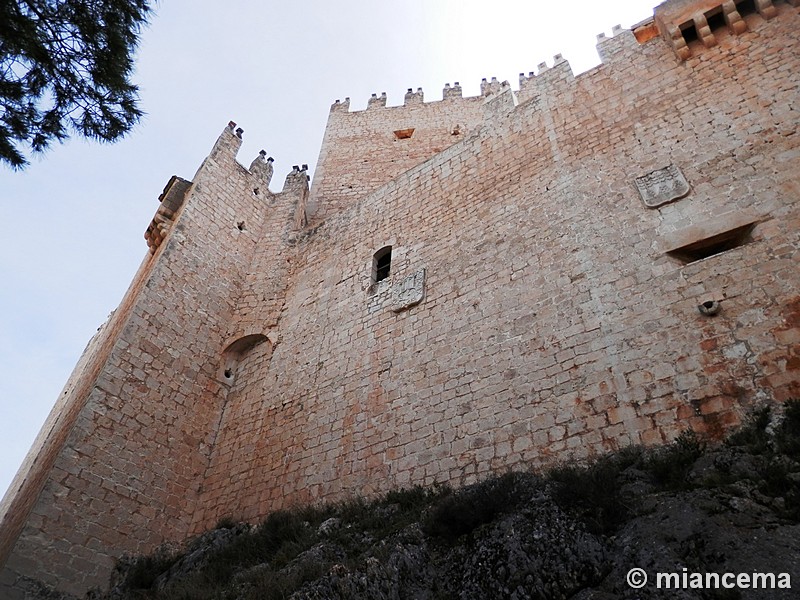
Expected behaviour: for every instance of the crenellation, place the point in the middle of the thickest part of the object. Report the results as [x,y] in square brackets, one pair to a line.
[490,87]
[262,168]
[376,101]
[621,42]
[341,106]
[588,263]
[528,87]
[412,97]
[228,142]
[562,67]
[501,102]
[453,92]
[556,82]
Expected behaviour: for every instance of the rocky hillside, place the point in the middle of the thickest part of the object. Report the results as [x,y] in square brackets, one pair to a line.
[575,533]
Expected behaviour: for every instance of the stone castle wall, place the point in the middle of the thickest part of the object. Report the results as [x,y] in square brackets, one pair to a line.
[133,445]
[542,302]
[363,150]
[554,323]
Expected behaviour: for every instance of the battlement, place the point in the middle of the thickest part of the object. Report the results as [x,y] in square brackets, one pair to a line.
[411,98]
[387,140]
[227,147]
[296,179]
[678,22]
[225,150]
[542,68]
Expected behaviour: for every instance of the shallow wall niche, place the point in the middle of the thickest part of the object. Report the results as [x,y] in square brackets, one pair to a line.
[234,353]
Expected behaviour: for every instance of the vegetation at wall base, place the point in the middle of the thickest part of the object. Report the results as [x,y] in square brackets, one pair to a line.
[518,535]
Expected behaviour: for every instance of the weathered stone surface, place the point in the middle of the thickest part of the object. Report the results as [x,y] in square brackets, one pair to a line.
[552,325]
[661,186]
[408,291]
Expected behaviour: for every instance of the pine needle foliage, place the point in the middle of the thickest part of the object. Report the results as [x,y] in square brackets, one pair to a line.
[65,67]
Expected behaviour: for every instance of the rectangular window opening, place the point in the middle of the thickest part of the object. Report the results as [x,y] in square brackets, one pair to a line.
[689,32]
[716,244]
[746,7]
[382,264]
[716,20]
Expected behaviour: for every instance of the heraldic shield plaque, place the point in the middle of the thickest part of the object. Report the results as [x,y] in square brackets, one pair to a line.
[662,186]
[408,291]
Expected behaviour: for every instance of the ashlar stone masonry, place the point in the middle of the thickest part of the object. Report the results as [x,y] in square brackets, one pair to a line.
[470,285]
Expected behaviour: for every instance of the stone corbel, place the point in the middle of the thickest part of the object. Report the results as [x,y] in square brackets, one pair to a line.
[678,43]
[703,30]
[732,18]
[766,9]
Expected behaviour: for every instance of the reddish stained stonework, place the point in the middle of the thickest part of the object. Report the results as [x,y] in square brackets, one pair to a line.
[255,363]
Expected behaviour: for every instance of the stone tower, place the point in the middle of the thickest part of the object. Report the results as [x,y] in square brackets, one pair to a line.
[470,285]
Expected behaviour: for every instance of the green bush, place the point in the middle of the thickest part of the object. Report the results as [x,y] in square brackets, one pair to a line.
[670,464]
[143,571]
[592,493]
[226,523]
[753,435]
[460,513]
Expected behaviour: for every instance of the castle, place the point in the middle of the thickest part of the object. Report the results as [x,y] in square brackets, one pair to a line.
[470,285]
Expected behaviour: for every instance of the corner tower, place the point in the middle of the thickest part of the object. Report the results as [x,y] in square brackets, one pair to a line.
[121,459]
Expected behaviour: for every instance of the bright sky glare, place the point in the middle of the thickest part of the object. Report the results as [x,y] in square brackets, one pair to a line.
[73,222]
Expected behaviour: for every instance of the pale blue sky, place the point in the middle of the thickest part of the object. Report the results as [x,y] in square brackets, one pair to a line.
[73,222]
